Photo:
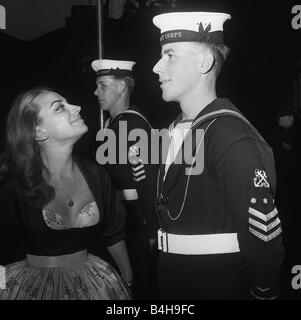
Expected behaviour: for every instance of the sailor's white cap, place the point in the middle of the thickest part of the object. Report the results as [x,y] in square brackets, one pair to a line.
[113,67]
[191,26]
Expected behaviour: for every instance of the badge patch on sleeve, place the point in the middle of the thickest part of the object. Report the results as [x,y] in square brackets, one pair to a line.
[261,179]
[138,171]
[134,154]
[263,218]
[264,222]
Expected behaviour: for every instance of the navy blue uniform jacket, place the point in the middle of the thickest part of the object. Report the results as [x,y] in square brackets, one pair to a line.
[234,193]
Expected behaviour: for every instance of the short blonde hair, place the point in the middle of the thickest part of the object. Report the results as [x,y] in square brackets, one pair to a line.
[219,51]
[129,82]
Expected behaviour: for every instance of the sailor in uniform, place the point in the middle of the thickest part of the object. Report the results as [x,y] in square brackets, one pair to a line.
[126,156]
[220,232]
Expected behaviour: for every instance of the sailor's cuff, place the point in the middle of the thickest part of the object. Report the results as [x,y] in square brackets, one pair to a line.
[263,294]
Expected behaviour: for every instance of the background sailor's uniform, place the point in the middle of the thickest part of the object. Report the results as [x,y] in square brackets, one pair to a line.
[136,183]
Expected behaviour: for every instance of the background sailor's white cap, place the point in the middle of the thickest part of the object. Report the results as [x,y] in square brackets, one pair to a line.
[191,26]
[113,67]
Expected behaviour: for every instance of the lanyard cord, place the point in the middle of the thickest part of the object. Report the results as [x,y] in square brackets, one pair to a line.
[188,178]
[198,122]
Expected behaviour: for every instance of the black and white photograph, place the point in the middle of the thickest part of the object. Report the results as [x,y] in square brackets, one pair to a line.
[150,152]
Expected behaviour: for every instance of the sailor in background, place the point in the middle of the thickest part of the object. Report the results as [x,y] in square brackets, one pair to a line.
[133,174]
[220,232]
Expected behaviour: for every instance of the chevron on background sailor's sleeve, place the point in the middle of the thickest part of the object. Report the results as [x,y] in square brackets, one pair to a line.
[138,172]
[138,169]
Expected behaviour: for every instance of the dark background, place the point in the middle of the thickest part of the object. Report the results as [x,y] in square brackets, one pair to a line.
[258,76]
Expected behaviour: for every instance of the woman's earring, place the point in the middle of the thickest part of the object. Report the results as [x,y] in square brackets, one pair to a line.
[40,136]
[40,140]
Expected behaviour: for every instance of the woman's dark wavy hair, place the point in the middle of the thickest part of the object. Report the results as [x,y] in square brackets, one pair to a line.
[21,159]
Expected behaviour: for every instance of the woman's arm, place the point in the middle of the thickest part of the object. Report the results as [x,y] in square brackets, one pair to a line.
[119,253]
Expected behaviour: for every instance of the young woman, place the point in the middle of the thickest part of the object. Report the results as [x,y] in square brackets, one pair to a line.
[54,206]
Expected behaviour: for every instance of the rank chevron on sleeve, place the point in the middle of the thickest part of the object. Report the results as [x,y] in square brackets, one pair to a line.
[265,226]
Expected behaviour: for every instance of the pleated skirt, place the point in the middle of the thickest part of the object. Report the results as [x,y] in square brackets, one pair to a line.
[90,278]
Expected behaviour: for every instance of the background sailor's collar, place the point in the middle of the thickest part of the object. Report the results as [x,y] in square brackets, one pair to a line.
[117,118]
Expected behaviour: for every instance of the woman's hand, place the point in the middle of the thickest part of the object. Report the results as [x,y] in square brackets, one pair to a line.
[127,275]
[120,255]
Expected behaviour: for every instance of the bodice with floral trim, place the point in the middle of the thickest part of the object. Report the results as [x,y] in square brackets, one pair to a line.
[88,216]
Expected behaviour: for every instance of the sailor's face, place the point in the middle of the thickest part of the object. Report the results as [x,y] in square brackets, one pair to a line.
[177,70]
[107,92]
